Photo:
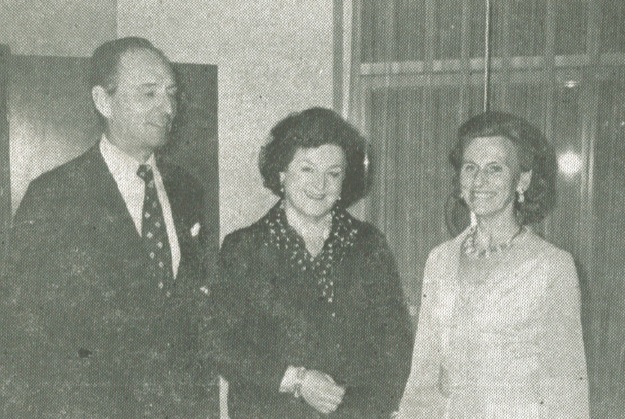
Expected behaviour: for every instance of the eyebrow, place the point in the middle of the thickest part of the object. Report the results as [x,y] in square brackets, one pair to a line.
[150,84]
[338,165]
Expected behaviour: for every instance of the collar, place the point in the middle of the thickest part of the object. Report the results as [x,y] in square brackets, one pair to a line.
[342,237]
[118,161]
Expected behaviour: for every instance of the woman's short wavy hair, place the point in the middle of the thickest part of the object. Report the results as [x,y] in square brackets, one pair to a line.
[312,128]
[534,153]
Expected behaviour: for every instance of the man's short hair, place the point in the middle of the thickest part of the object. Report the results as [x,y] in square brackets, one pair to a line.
[106,57]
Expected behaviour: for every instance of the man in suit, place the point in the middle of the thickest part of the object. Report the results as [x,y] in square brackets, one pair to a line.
[106,265]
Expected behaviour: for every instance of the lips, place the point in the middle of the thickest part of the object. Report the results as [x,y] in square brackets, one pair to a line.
[159,125]
[165,123]
[316,197]
[482,195]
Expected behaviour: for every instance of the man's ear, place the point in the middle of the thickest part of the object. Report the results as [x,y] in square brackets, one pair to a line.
[102,101]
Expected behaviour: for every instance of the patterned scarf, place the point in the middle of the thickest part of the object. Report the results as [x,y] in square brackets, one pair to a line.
[341,239]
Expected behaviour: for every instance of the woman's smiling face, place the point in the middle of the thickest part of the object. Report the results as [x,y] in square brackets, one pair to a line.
[313,180]
[489,176]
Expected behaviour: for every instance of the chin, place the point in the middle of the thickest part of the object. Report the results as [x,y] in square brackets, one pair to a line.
[159,142]
[491,211]
[315,210]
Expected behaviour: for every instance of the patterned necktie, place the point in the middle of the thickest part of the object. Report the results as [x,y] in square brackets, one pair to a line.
[153,230]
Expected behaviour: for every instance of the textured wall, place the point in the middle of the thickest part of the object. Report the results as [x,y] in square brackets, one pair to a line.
[56,27]
[273,57]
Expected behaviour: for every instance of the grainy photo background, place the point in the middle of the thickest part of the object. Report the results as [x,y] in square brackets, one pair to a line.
[407,73]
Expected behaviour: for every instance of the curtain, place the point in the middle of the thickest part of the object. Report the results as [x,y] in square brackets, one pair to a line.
[417,73]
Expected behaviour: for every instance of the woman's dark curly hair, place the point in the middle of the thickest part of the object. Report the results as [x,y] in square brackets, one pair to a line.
[534,153]
[313,128]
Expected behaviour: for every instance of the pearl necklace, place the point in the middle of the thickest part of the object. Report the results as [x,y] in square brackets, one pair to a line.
[470,248]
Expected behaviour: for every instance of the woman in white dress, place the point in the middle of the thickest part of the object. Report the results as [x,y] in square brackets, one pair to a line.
[499,332]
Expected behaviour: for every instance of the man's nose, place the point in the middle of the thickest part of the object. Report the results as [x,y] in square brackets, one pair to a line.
[319,181]
[480,177]
[168,105]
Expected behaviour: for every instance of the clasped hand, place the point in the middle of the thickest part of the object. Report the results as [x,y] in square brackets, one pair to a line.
[321,392]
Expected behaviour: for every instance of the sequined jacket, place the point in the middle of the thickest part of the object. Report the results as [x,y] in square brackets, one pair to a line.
[342,313]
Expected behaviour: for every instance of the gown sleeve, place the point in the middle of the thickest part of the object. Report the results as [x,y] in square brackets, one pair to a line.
[422,397]
[564,381]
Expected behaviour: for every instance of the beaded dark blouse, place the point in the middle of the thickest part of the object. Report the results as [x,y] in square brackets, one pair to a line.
[341,239]
[342,313]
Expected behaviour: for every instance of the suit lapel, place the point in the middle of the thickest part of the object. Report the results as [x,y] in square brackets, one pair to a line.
[183,220]
[109,209]
[176,204]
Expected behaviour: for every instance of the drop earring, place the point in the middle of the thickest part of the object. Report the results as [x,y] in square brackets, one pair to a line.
[521,197]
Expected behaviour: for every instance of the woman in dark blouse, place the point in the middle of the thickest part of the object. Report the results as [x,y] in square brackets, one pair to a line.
[308,317]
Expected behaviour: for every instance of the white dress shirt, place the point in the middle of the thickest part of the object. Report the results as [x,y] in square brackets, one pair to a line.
[132,188]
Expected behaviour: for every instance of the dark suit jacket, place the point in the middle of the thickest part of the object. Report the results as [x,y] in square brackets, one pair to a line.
[264,315]
[88,332]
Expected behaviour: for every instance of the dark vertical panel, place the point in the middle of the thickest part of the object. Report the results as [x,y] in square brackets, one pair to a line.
[337,55]
[411,195]
[499,28]
[527,27]
[406,27]
[439,175]
[448,29]
[194,143]
[375,31]
[391,149]
[501,43]
[526,101]
[401,222]
[356,103]
[477,100]
[477,27]
[426,115]
[5,181]
[549,74]
[612,26]
[565,219]
[571,25]
[410,28]
[607,285]
[51,116]
[377,128]
[465,55]
[410,214]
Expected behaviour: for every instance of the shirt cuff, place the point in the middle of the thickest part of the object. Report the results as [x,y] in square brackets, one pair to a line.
[289,380]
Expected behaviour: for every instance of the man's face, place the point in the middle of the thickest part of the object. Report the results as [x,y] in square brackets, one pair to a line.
[141,109]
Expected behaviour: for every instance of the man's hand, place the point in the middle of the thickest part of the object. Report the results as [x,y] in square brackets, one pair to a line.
[321,392]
